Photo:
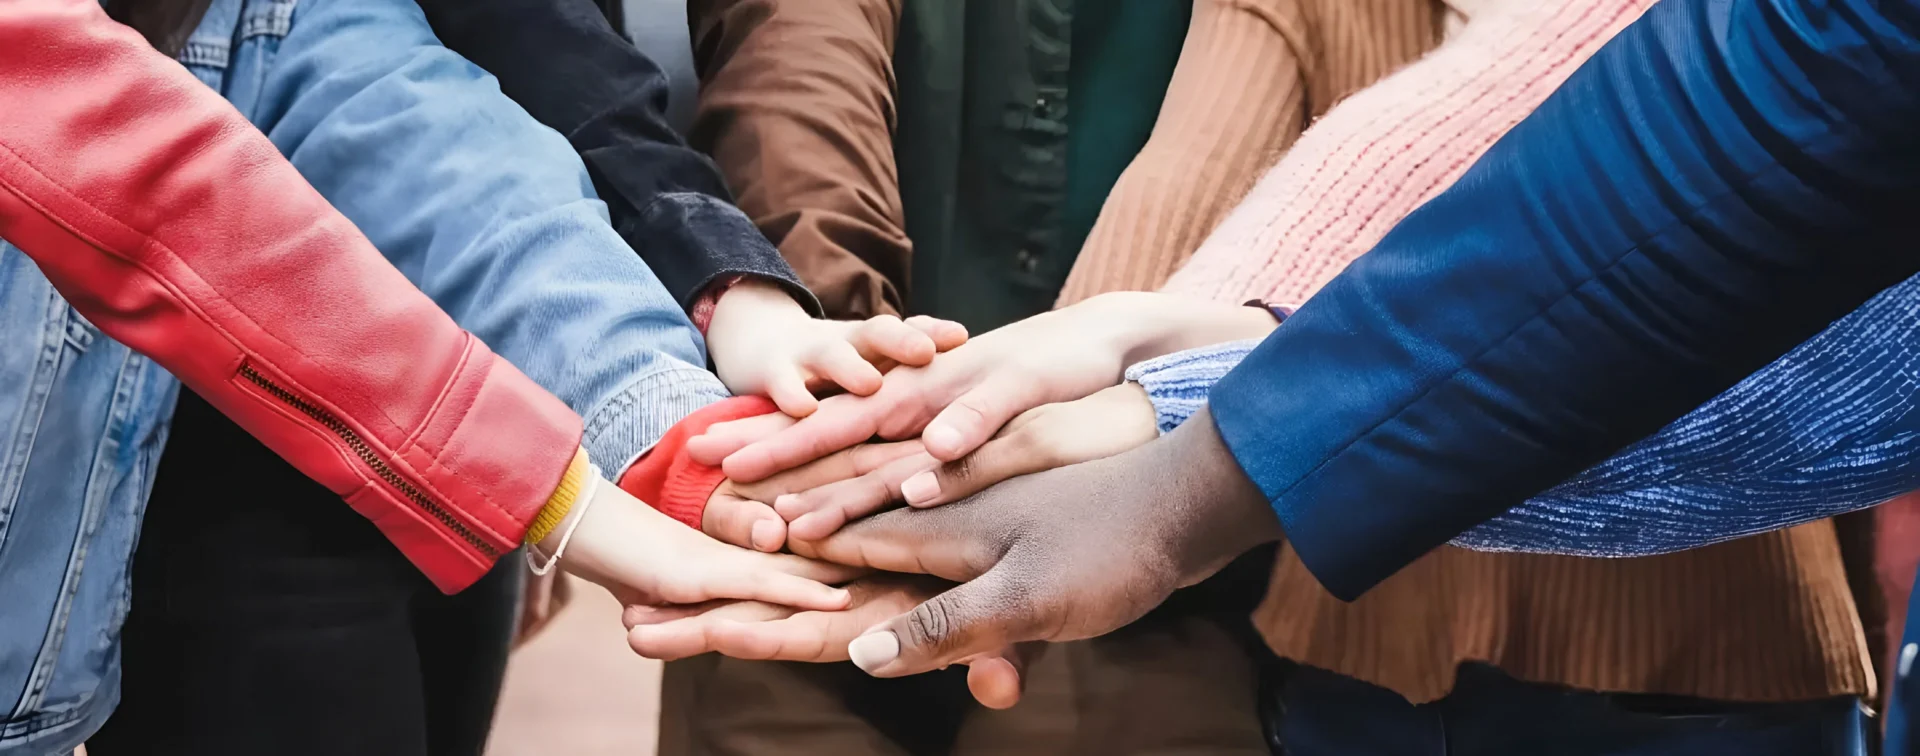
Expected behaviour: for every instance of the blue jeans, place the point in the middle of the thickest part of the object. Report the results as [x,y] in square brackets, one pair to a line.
[1903,701]
[1313,712]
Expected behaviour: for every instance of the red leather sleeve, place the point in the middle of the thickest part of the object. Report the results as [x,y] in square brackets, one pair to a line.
[672,482]
[173,225]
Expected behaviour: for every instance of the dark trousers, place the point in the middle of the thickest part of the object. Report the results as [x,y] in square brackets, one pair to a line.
[269,618]
[1313,712]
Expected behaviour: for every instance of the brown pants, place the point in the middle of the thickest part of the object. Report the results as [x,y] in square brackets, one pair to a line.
[1180,681]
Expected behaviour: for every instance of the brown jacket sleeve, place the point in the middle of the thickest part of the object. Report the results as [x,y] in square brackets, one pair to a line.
[796,106]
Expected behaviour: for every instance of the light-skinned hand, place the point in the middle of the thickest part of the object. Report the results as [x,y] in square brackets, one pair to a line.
[960,400]
[742,513]
[645,557]
[1109,422]
[762,342]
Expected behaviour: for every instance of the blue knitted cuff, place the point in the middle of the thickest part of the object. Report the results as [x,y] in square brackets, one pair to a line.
[1178,383]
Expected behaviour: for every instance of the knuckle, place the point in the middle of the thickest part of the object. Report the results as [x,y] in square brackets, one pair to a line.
[962,470]
[930,627]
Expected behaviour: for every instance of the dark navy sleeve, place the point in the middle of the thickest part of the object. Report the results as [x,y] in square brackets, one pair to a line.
[1721,181]
[564,63]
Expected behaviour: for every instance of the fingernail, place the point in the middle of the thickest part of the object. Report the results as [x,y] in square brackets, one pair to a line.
[874,650]
[800,530]
[785,504]
[940,439]
[921,488]
[766,534]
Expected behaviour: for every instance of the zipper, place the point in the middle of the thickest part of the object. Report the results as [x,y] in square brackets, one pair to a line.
[364,451]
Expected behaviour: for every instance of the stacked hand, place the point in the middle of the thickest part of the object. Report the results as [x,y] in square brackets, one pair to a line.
[1097,534]
[762,342]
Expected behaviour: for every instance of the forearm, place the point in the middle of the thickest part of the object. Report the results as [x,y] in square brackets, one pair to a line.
[796,106]
[572,71]
[175,227]
[1141,326]
[1543,314]
[1758,457]
[490,214]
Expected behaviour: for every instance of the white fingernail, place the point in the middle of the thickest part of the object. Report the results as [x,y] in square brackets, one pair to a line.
[920,488]
[941,437]
[873,650]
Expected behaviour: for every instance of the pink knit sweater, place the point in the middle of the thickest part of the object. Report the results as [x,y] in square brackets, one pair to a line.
[1659,625]
[1382,152]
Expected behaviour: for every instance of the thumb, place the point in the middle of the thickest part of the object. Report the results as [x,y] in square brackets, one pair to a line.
[1009,456]
[998,679]
[978,414]
[975,618]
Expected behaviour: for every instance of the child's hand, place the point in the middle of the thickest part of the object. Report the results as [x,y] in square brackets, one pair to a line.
[645,557]
[762,342]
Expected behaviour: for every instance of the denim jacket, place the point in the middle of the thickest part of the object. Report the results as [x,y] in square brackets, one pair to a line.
[489,213]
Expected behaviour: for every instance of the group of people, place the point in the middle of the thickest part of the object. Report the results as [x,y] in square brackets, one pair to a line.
[1172,376]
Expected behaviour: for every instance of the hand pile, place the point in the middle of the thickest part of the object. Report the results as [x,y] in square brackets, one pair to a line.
[1036,509]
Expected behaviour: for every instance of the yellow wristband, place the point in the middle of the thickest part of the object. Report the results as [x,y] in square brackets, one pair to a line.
[563,498]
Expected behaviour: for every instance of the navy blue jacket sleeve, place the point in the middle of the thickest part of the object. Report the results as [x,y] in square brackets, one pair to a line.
[1720,182]
[563,62]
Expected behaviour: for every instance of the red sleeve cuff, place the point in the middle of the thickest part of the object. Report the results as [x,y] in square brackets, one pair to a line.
[702,313]
[668,480]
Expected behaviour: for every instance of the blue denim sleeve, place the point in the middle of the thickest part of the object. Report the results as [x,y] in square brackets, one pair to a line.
[1719,183]
[488,212]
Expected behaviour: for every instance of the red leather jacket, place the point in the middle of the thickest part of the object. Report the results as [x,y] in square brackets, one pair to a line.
[173,225]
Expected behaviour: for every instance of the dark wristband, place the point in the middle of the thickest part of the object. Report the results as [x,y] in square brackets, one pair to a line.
[1280,312]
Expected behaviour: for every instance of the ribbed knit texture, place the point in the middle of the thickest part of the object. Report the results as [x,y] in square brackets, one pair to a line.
[1252,75]
[1825,430]
[669,480]
[1760,619]
[1178,383]
[563,498]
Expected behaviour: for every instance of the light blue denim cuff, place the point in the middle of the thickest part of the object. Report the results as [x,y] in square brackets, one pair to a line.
[631,421]
[1178,383]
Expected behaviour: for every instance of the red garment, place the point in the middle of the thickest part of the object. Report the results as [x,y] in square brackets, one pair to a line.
[171,223]
[676,485]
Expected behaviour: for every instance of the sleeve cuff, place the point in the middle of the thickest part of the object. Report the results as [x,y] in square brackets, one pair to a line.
[1178,383]
[626,425]
[702,239]
[670,481]
[564,497]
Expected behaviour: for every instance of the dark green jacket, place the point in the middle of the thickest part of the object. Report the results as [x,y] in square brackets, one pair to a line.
[1015,119]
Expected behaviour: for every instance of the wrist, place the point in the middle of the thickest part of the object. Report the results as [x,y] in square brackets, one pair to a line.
[702,311]
[562,502]
[1143,325]
[1223,512]
[669,480]
[1127,323]
[750,299]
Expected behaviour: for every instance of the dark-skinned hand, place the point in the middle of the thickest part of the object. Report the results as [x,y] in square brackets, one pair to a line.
[760,630]
[1065,554]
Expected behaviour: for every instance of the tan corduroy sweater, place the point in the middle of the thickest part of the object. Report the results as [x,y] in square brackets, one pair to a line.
[1764,618]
